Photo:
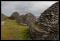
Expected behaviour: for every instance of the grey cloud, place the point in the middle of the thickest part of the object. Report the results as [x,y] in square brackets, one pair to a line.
[36,7]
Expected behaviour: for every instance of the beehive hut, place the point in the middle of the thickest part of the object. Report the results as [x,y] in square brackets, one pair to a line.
[30,18]
[48,25]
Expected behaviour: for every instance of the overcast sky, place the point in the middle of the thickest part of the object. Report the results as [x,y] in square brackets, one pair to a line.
[23,7]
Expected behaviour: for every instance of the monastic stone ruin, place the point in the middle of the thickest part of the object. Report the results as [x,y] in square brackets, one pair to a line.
[23,19]
[30,18]
[48,25]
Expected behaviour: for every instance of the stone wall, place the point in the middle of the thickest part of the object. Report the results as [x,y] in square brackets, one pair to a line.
[48,25]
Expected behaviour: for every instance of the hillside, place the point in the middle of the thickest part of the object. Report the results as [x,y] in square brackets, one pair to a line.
[11,30]
[3,17]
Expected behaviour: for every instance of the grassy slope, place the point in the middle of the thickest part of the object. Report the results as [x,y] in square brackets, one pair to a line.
[12,31]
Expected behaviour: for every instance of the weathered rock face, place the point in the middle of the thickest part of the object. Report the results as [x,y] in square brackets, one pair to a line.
[48,21]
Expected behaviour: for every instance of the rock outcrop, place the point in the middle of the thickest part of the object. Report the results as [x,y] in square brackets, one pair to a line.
[48,24]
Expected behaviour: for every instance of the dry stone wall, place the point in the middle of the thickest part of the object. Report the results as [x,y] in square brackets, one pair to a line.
[48,25]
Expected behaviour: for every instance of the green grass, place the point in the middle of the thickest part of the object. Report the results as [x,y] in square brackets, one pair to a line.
[13,31]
